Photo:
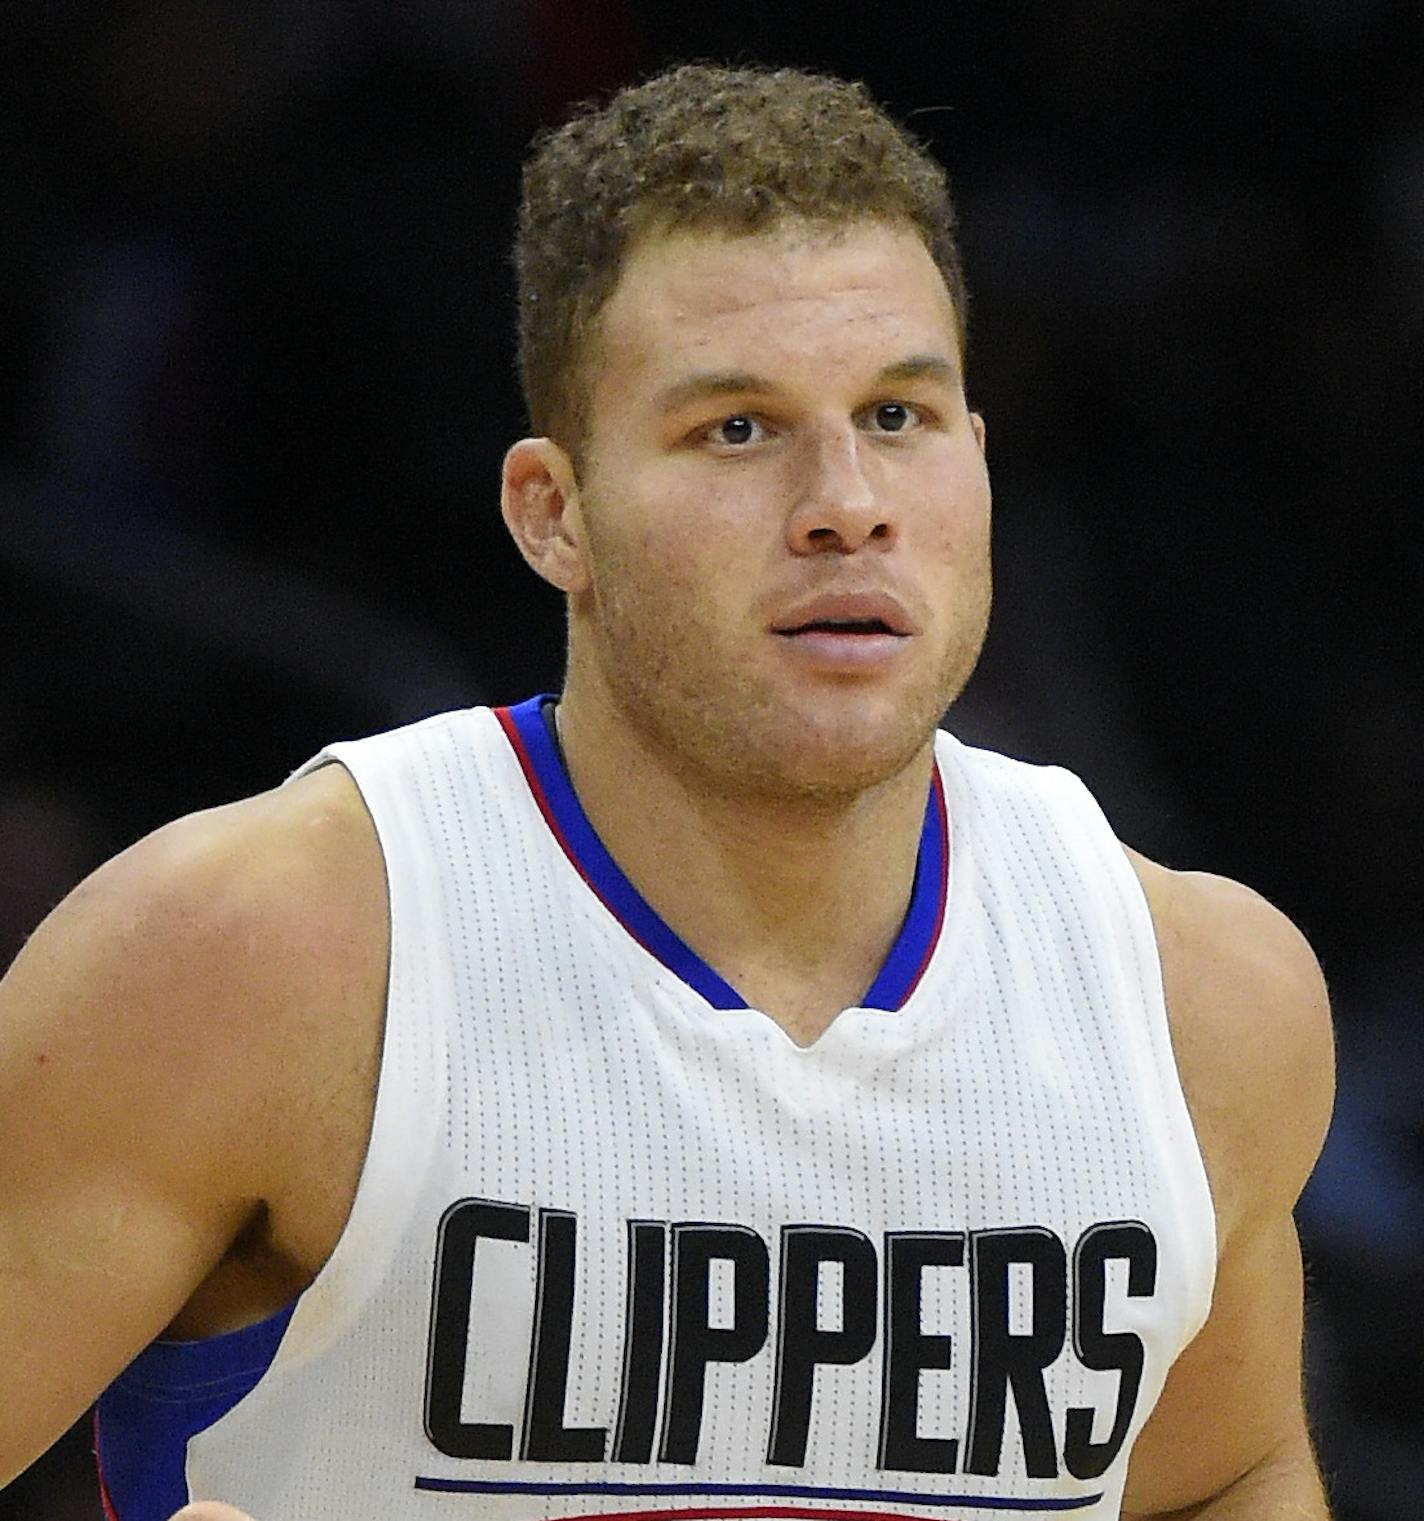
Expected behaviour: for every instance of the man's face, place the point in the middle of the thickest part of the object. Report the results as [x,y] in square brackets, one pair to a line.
[784,507]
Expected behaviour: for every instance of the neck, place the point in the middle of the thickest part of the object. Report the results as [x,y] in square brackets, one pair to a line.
[795,901]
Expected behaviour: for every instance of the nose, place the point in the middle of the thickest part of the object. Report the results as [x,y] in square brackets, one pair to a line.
[837,509]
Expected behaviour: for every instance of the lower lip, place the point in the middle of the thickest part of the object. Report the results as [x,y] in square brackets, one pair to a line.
[847,651]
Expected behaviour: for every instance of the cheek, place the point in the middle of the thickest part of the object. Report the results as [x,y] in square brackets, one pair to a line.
[966,522]
[955,537]
[684,539]
[648,580]
[971,535]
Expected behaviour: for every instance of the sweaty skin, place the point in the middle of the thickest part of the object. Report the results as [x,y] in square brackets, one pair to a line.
[189,1044]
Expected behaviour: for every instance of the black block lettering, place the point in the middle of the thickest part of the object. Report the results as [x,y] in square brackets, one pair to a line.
[696,1343]
[545,1437]
[1005,1360]
[643,1341]
[800,1345]
[908,1351]
[461,1227]
[1127,1241]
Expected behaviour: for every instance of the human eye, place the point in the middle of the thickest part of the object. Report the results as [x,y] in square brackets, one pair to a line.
[737,431]
[893,417]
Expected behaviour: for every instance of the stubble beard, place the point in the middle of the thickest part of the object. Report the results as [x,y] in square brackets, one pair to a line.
[727,734]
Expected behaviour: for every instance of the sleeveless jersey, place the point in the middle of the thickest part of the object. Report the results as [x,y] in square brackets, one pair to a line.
[621,1248]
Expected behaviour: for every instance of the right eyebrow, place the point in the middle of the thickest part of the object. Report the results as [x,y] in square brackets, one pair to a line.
[708,383]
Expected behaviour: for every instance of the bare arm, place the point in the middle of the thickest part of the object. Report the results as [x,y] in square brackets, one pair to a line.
[1228,1439]
[1284,1488]
[1231,1421]
[148,1035]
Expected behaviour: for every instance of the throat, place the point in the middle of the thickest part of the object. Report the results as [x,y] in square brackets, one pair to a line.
[800,917]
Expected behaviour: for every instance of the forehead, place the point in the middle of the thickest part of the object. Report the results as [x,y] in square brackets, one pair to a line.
[796,299]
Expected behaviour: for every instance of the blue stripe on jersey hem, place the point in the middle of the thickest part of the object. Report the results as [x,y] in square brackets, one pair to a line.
[750,1491]
[897,977]
[165,1397]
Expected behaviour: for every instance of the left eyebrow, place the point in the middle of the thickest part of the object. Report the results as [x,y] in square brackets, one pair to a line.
[922,367]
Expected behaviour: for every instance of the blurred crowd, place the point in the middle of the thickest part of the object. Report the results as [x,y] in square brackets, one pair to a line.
[258,376]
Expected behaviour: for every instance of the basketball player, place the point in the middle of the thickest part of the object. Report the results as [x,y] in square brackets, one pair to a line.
[714,1093]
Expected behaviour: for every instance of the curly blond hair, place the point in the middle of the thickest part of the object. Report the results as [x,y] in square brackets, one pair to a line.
[700,147]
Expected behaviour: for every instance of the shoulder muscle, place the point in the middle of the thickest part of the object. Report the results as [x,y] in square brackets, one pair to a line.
[1251,1026]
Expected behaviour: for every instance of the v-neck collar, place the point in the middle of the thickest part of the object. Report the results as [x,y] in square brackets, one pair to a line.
[549,782]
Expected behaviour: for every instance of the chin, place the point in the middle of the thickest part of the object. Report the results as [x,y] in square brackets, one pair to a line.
[842,755]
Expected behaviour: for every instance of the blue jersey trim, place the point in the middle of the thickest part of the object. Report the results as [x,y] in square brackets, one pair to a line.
[919,934]
[560,805]
[165,1397]
[553,791]
[746,1491]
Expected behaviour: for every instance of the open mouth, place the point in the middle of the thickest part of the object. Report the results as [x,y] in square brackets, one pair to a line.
[836,623]
[840,626]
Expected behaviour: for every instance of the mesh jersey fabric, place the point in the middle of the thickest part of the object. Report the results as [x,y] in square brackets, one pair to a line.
[620,1247]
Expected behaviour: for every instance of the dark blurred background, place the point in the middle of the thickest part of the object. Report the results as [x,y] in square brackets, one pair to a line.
[257,378]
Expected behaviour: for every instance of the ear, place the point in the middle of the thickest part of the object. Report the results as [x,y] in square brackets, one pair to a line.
[981,433]
[539,497]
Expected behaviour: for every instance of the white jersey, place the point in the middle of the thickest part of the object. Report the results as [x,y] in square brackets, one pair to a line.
[621,1248]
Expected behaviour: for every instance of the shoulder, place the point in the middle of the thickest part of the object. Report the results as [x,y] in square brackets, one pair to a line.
[266,888]
[1250,1023]
[162,1036]
[179,984]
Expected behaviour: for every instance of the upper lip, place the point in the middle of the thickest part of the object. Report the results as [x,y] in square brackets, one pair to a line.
[846,607]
